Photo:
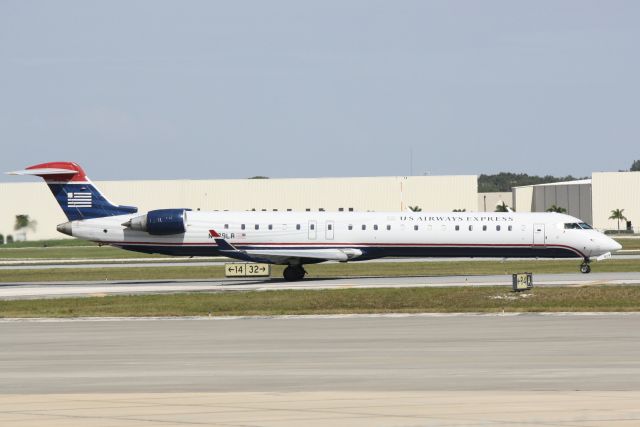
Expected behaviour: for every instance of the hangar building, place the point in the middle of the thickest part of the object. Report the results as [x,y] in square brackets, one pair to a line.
[430,193]
[591,200]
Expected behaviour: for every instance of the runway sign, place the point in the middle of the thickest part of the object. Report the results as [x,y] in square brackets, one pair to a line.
[522,281]
[247,269]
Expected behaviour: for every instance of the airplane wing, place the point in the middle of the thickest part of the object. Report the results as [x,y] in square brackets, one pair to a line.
[284,256]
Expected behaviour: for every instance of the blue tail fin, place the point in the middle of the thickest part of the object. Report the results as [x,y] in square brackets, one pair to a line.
[75,193]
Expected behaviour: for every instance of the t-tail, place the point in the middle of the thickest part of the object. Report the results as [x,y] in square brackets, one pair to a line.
[75,193]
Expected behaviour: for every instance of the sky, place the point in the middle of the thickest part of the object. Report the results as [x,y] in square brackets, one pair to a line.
[151,89]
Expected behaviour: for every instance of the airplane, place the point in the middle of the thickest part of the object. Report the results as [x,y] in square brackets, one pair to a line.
[298,238]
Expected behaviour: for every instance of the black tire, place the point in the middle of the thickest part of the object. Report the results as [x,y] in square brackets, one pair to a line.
[293,273]
[585,268]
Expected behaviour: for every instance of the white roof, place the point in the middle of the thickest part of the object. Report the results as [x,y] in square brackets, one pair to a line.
[576,182]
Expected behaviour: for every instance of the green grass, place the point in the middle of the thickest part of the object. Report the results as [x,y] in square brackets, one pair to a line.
[629,244]
[52,243]
[195,271]
[69,252]
[403,300]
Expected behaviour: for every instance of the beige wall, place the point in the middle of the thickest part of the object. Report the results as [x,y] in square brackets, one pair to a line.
[492,200]
[431,193]
[522,199]
[616,190]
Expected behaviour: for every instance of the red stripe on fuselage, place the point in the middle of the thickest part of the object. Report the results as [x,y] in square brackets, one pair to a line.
[356,245]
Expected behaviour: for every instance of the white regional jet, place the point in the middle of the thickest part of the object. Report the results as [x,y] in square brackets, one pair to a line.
[295,239]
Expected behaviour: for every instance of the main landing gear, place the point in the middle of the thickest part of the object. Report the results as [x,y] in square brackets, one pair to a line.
[294,273]
[585,267]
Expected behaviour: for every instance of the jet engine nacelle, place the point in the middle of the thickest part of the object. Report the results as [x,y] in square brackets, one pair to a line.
[160,222]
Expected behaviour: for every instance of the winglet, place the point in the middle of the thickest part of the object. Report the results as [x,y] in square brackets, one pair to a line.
[222,243]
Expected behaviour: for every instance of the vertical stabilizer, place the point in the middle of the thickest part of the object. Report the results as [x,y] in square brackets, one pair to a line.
[75,193]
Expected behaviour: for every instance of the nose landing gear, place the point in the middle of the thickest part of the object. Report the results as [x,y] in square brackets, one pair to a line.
[293,273]
[585,267]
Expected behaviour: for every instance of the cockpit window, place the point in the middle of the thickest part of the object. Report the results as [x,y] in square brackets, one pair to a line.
[577,226]
[572,226]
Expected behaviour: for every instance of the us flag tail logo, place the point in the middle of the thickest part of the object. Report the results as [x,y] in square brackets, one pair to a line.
[79,200]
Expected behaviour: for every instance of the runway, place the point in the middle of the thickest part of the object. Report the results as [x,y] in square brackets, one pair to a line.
[21,290]
[559,370]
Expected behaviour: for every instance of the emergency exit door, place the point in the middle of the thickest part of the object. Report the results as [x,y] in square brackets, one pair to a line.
[538,235]
[329,230]
[313,232]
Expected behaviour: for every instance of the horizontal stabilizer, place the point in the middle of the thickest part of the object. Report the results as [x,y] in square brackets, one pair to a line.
[44,171]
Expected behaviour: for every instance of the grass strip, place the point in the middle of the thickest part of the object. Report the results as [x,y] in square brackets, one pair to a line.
[66,252]
[391,269]
[391,300]
[50,243]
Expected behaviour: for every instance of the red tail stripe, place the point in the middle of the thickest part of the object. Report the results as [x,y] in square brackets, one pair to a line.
[79,176]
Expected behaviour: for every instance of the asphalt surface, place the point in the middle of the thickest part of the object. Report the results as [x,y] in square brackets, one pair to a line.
[330,353]
[415,370]
[127,287]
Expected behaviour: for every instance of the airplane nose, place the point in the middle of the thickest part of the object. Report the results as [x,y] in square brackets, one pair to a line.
[613,246]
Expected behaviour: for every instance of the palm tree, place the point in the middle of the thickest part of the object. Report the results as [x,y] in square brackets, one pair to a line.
[557,209]
[618,214]
[415,208]
[502,207]
[23,221]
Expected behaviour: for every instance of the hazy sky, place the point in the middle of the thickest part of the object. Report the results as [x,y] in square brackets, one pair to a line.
[231,89]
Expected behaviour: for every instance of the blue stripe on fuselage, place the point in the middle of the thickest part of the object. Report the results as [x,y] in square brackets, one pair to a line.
[373,252]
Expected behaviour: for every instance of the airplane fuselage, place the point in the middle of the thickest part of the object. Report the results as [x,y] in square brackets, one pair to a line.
[375,234]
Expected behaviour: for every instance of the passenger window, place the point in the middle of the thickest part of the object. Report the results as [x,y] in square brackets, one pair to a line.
[242,227]
[457,228]
[297,226]
[497,228]
[330,227]
[312,226]
[375,226]
[350,227]
[510,228]
[471,228]
[415,227]
[270,226]
[226,226]
[364,227]
[257,227]
[388,227]
[484,228]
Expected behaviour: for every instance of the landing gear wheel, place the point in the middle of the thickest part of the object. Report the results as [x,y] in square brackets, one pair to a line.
[294,273]
[585,268]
